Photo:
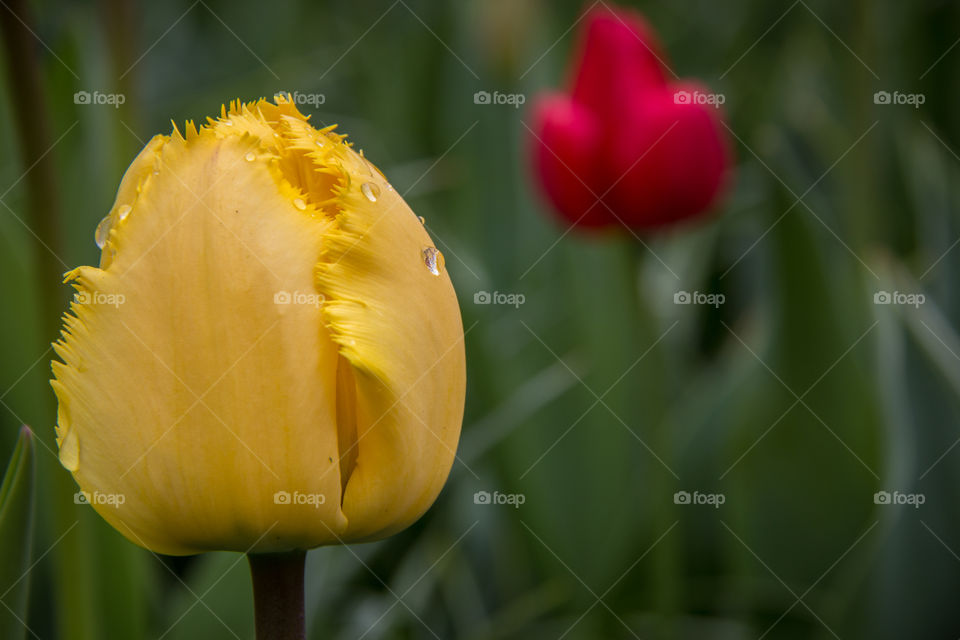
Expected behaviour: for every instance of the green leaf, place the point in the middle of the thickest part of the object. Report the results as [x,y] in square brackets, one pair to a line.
[215,600]
[16,532]
[919,386]
[807,452]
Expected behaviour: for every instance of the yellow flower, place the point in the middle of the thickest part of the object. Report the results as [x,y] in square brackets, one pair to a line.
[270,355]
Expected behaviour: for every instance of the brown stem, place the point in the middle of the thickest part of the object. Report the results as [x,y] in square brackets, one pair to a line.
[278,595]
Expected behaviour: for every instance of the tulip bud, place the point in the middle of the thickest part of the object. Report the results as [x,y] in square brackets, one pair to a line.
[626,146]
[270,354]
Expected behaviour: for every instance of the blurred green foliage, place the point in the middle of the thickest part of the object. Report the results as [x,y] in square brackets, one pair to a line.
[16,535]
[598,398]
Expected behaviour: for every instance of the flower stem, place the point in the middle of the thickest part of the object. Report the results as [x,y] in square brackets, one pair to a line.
[278,594]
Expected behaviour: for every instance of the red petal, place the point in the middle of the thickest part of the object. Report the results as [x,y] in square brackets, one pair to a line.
[619,56]
[566,157]
[670,158]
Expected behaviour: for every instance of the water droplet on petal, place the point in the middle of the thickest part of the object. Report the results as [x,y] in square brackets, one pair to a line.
[319,142]
[299,203]
[370,190]
[124,211]
[251,156]
[70,451]
[103,231]
[227,123]
[422,219]
[433,259]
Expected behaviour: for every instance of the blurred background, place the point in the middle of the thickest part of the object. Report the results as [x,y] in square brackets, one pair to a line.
[780,464]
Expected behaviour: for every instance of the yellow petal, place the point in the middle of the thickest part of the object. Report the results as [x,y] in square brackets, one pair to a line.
[400,328]
[263,361]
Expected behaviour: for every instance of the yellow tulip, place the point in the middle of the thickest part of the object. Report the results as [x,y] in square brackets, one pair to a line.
[270,354]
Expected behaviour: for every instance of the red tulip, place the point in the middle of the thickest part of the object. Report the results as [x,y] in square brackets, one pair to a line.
[626,146]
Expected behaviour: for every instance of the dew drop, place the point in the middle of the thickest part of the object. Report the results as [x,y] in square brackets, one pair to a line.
[319,142]
[433,259]
[123,212]
[103,231]
[227,123]
[251,156]
[70,451]
[422,219]
[370,190]
[299,204]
